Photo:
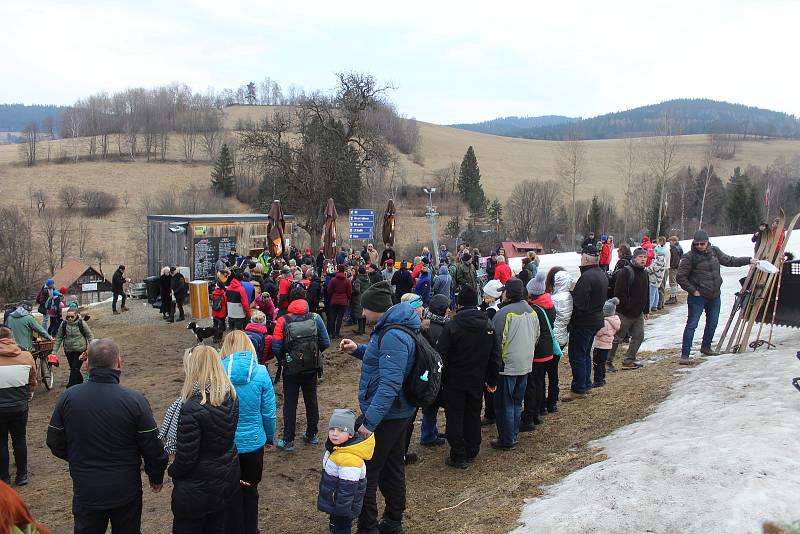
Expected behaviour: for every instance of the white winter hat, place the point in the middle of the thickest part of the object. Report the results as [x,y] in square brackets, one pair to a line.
[493,288]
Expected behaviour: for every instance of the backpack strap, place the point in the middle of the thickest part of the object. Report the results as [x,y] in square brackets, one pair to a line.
[556,347]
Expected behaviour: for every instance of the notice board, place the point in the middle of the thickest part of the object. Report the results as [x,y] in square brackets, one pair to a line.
[207,250]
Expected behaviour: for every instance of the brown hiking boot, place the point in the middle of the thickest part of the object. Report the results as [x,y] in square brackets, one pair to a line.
[571,396]
[116,313]
[706,351]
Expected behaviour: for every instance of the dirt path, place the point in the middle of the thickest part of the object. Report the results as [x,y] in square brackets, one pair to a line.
[496,486]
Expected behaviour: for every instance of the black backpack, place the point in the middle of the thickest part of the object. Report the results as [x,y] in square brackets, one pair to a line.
[64,328]
[423,383]
[216,302]
[301,344]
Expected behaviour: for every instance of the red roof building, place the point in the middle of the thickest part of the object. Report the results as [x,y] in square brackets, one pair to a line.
[518,249]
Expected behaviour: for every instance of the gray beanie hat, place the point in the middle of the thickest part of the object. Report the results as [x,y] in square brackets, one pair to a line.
[439,304]
[639,252]
[536,284]
[344,419]
[700,235]
[610,307]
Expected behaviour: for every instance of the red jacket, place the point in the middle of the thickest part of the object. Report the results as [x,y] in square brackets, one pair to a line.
[340,290]
[502,272]
[648,246]
[237,299]
[605,254]
[222,312]
[284,287]
[262,329]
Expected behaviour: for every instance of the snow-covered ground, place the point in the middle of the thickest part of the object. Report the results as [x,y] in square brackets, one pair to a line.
[719,455]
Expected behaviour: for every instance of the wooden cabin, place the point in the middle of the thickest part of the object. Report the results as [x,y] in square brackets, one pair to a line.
[84,282]
[198,241]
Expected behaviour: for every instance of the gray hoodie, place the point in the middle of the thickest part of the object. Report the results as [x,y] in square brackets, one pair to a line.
[443,282]
[517,330]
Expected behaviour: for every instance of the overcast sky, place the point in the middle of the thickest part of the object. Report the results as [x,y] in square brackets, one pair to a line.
[450,61]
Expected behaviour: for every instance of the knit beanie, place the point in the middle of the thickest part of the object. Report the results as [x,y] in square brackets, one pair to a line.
[639,252]
[378,297]
[467,296]
[536,284]
[343,419]
[610,307]
[514,288]
[493,288]
[700,235]
[439,304]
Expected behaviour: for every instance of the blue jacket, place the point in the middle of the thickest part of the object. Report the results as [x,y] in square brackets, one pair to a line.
[423,288]
[385,367]
[256,401]
[443,282]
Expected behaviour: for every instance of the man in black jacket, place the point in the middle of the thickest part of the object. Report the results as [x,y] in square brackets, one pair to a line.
[104,431]
[117,282]
[180,289]
[699,276]
[588,298]
[387,254]
[471,355]
[632,288]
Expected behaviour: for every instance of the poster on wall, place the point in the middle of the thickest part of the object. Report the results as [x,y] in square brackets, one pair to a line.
[207,250]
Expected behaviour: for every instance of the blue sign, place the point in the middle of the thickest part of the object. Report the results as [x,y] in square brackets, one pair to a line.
[362,223]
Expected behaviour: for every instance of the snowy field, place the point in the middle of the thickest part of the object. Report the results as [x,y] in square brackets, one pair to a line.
[719,455]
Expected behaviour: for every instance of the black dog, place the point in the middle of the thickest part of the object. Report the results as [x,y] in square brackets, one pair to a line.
[204,332]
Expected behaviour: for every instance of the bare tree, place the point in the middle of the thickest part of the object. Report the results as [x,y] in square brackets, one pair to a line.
[73,123]
[99,256]
[570,166]
[683,181]
[18,266]
[708,156]
[30,138]
[48,225]
[663,160]
[69,196]
[211,132]
[628,167]
[40,200]
[64,236]
[84,231]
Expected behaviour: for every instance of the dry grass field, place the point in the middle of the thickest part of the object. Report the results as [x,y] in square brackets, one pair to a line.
[504,162]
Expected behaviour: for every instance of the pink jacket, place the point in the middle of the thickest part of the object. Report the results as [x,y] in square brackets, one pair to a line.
[605,336]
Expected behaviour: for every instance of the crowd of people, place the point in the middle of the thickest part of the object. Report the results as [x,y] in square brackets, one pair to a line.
[500,337]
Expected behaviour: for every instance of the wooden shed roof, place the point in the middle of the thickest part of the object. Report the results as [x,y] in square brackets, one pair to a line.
[72,270]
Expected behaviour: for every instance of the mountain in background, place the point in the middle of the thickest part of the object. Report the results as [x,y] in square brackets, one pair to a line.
[515,126]
[16,117]
[688,116]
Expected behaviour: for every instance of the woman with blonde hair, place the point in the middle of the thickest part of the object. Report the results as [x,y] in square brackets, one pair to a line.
[205,472]
[256,426]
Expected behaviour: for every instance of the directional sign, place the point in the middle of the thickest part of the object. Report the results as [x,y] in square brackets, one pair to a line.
[362,222]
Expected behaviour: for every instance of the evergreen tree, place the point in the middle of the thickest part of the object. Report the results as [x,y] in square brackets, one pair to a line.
[453,228]
[742,208]
[222,174]
[469,183]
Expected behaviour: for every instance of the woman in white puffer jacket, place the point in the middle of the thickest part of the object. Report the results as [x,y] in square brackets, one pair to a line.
[562,301]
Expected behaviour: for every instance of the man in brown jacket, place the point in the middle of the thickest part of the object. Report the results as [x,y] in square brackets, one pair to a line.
[17,381]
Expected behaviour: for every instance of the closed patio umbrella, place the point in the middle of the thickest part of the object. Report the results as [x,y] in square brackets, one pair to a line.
[329,230]
[275,229]
[388,224]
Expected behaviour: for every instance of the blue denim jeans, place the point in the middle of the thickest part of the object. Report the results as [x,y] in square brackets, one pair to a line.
[428,431]
[698,305]
[508,407]
[653,297]
[580,358]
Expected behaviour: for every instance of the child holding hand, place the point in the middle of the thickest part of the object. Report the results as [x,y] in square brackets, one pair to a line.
[344,474]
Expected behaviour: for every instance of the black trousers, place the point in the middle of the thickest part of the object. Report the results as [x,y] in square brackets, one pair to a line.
[236,324]
[243,509]
[124,520]
[75,376]
[599,357]
[14,423]
[335,316]
[213,523]
[177,304]
[114,300]
[292,385]
[534,393]
[463,411]
[386,471]
[551,373]
[219,324]
[488,405]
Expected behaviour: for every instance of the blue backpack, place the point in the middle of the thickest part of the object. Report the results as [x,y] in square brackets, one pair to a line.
[258,342]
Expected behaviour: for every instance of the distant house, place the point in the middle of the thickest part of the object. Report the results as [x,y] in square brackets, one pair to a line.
[518,249]
[83,281]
